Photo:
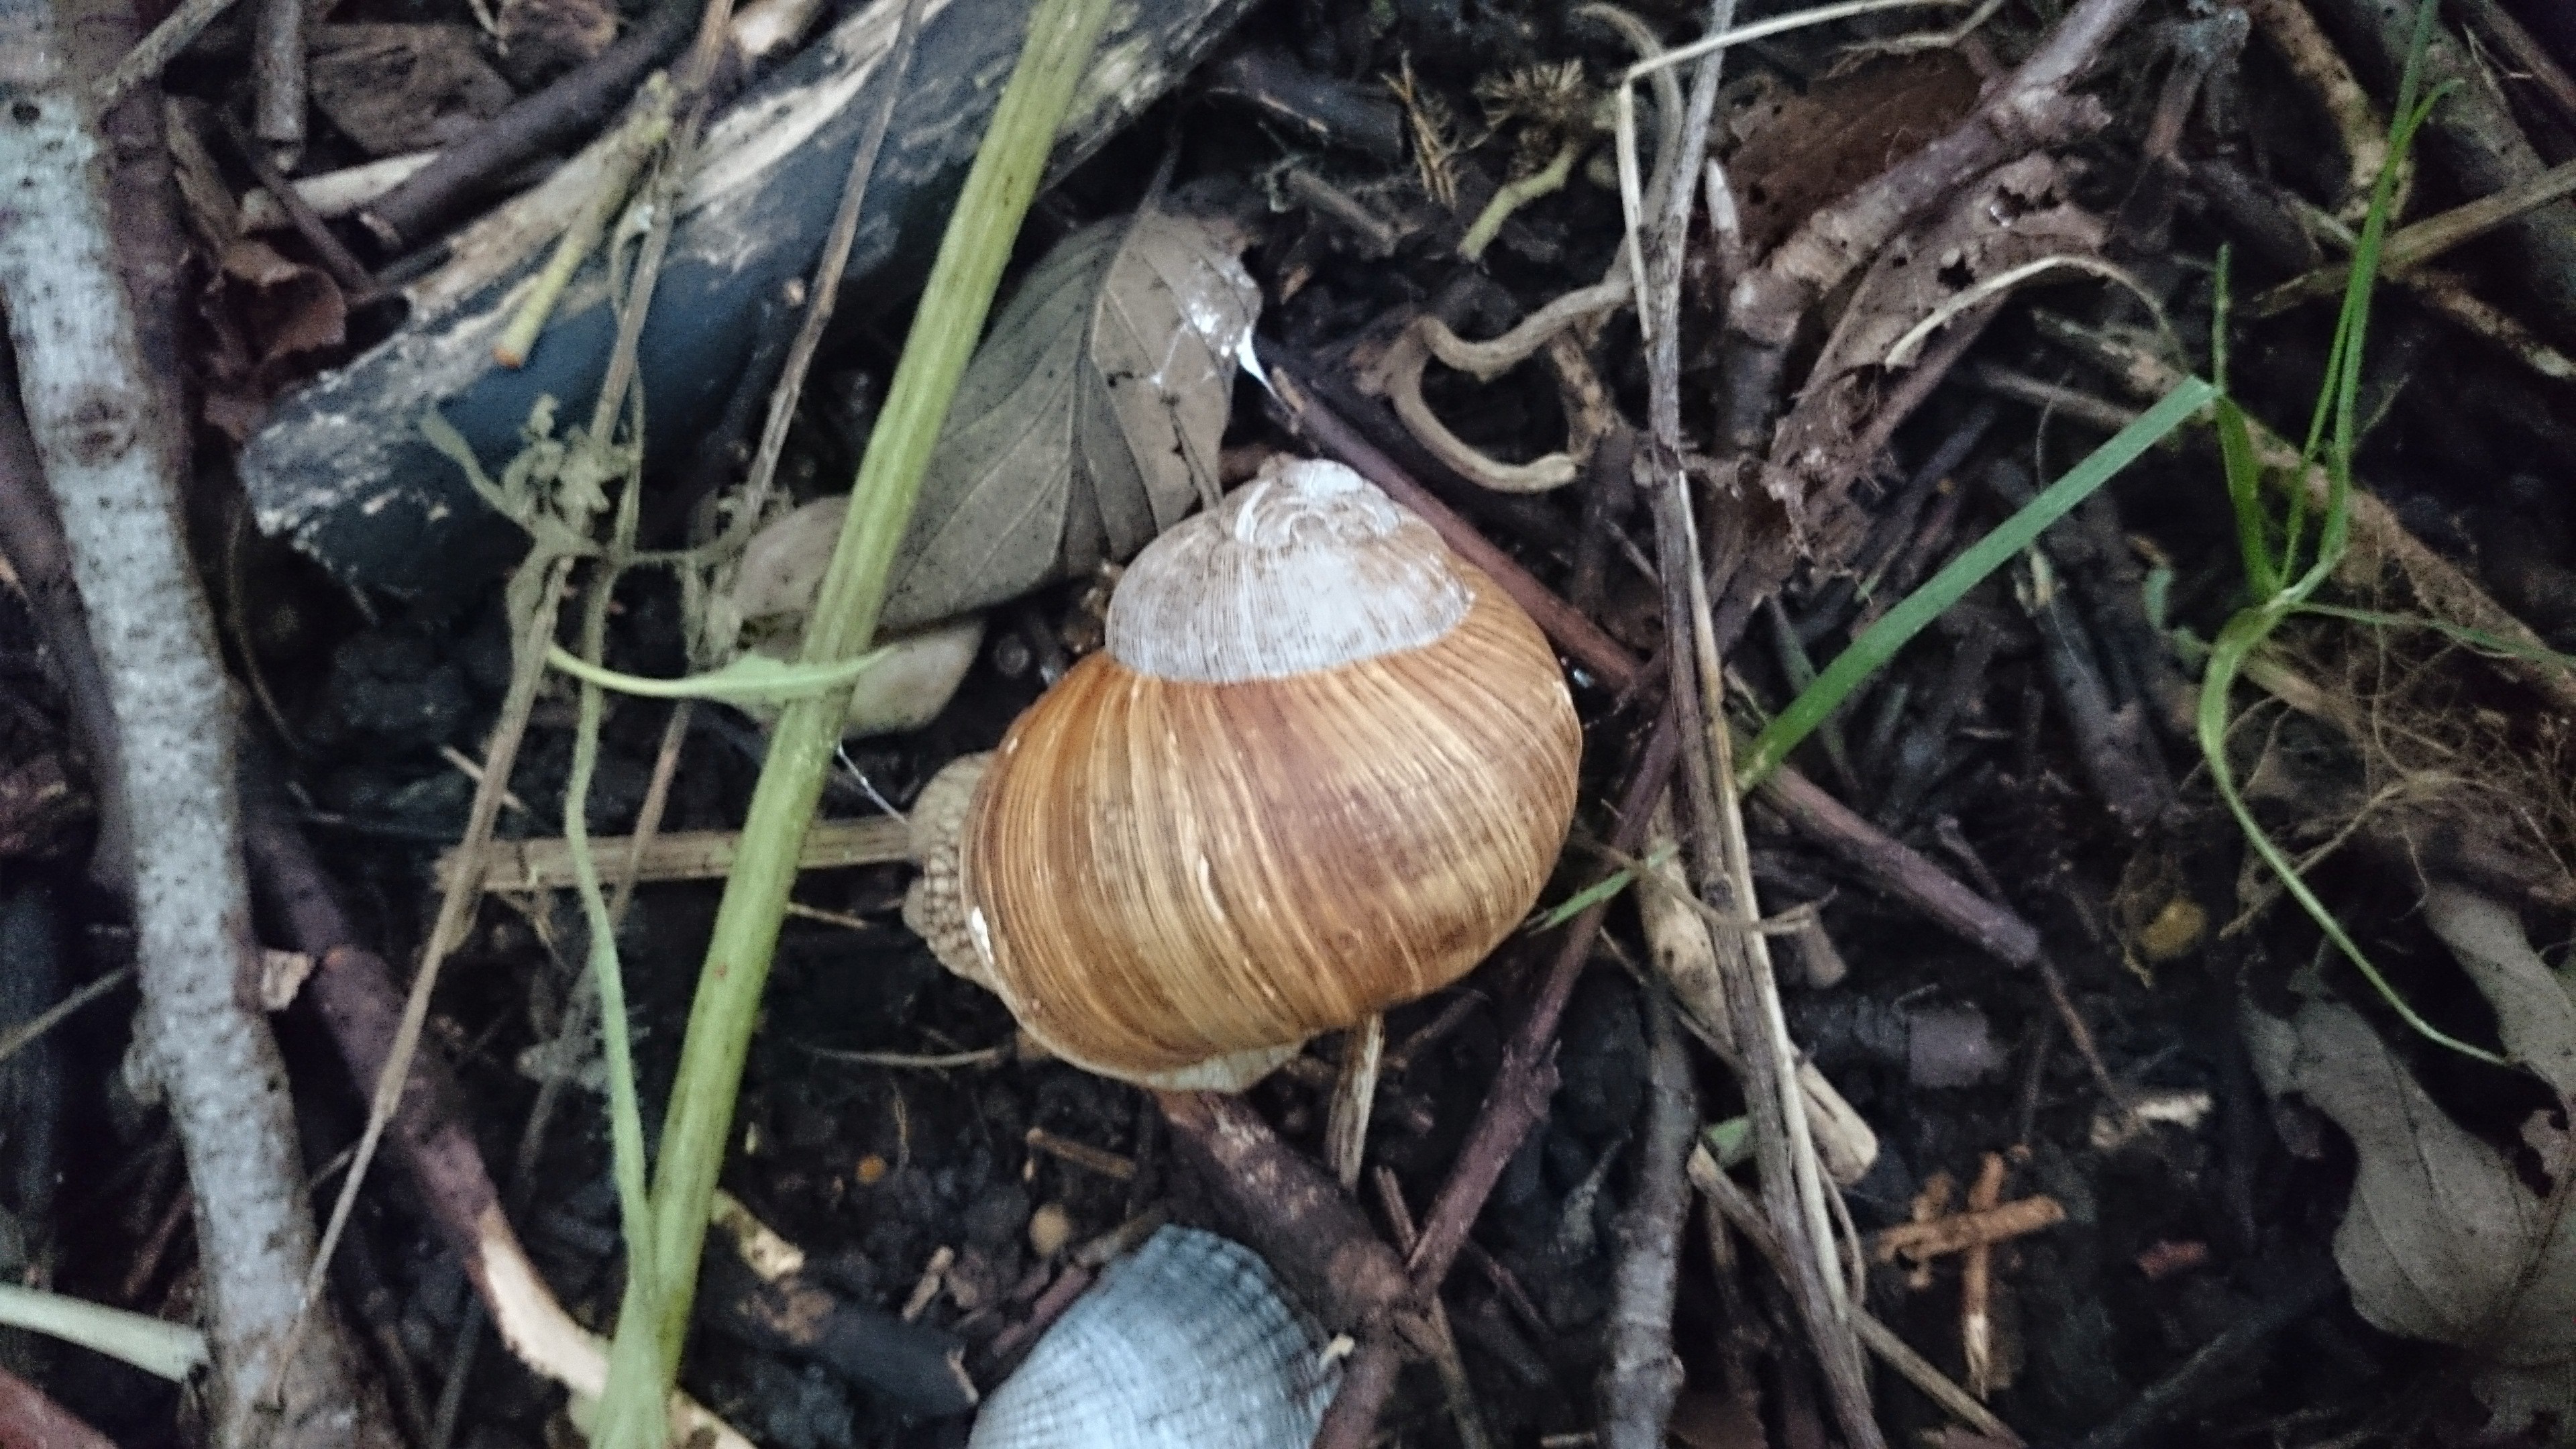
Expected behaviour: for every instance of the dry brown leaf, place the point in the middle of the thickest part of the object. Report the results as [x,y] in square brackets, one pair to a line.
[2014,214]
[1088,421]
[1802,151]
[395,88]
[2534,1014]
[2442,1240]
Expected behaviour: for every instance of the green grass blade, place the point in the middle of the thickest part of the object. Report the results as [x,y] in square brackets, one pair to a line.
[1877,644]
[2227,658]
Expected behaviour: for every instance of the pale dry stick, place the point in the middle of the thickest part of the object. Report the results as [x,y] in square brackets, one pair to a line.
[1642,39]
[18,1038]
[1959,1232]
[1679,941]
[1907,349]
[456,906]
[546,864]
[332,194]
[2313,59]
[1977,1284]
[825,289]
[1793,1180]
[108,447]
[1915,44]
[1740,1211]
[1354,1093]
[2419,242]
[2446,293]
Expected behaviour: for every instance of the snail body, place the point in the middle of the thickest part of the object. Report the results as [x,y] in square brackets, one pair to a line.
[1321,767]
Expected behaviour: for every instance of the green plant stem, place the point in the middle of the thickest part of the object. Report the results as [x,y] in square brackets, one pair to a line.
[170,1350]
[643,132]
[643,1411]
[1878,643]
[1061,37]
[2283,584]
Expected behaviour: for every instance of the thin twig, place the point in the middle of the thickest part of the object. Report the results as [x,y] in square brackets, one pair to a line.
[1642,1376]
[158,49]
[826,287]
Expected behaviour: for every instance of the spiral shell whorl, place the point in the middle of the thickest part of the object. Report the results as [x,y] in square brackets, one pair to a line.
[1307,567]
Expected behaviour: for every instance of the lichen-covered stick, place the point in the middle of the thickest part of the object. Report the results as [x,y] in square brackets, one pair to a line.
[104,442]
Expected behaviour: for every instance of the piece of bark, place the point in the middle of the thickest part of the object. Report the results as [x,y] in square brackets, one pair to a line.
[107,437]
[342,466]
[397,88]
[2032,109]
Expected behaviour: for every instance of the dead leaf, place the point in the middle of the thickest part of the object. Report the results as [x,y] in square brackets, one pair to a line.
[2534,1014]
[541,39]
[1801,152]
[264,312]
[395,88]
[2015,214]
[2442,1241]
[1089,420]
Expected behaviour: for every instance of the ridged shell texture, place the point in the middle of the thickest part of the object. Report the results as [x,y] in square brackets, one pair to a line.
[1184,1344]
[1281,840]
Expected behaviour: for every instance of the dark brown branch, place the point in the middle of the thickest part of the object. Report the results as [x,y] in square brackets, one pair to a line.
[1309,1230]
[1643,1376]
[564,112]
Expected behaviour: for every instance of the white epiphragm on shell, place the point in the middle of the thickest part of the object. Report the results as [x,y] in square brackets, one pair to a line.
[1307,567]
[1186,1344]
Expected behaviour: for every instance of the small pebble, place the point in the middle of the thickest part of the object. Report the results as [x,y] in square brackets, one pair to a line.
[1050,1228]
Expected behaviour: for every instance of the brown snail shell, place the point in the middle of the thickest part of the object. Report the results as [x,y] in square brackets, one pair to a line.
[1321,767]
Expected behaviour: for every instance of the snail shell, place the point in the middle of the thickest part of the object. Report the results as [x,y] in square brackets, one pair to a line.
[1185,1344]
[1321,767]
